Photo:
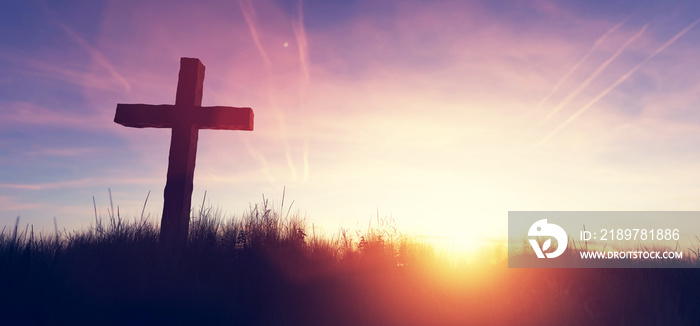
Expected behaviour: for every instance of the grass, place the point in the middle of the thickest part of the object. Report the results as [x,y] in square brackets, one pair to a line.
[268,267]
[231,269]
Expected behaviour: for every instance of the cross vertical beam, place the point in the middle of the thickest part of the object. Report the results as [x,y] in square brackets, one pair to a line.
[183,153]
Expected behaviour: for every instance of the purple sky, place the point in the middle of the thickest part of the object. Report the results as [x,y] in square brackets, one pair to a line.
[442,114]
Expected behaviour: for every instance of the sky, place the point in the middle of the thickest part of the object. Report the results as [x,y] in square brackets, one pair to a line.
[443,115]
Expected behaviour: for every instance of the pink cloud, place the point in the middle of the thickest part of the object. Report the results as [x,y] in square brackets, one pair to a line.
[8,203]
[32,114]
[80,183]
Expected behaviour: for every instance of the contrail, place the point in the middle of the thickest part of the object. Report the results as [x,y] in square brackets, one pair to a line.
[265,169]
[618,82]
[251,20]
[303,46]
[593,75]
[300,34]
[94,52]
[284,132]
[290,161]
[580,62]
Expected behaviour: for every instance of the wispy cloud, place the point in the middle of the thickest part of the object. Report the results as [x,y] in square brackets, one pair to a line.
[72,72]
[593,75]
[617,82]
[8,203]
[302,41]
[97,56]
[578,64]
[79,183]
[303,46]
[252,21]
[64,152]
[287,146]
[257,155]
[31,114]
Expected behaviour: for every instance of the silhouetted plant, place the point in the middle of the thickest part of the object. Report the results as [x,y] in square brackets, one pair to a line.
[269,267]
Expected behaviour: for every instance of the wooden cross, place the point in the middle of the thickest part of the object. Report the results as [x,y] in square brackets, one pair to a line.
[185,118]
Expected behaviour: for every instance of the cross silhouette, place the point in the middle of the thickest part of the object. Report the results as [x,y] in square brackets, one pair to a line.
[185,118]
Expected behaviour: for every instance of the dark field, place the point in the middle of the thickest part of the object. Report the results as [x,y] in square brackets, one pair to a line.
[270,269]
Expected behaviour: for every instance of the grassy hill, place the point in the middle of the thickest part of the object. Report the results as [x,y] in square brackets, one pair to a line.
[269,268]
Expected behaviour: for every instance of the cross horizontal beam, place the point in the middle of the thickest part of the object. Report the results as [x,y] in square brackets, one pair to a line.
[185,118]
[166,116]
